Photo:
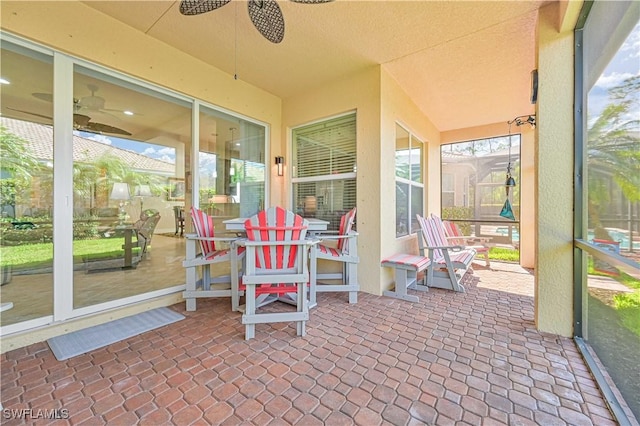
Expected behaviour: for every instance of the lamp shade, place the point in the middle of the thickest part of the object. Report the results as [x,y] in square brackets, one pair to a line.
[120,191]
[142,191]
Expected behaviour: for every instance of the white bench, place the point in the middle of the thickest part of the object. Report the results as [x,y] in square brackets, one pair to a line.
[406,268]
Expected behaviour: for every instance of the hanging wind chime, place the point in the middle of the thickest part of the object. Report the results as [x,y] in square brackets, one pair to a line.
[507,211]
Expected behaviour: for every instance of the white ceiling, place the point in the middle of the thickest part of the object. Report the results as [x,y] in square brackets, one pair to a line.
[464,63]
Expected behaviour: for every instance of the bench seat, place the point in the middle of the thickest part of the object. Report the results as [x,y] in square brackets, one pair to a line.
[406,268]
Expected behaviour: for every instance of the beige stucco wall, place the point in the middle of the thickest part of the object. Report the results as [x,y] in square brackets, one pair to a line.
[554,177]
[379,103]
[361,93]
[527,177]
[397,107]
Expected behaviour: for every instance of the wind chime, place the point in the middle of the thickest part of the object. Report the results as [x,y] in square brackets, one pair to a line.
[507,211]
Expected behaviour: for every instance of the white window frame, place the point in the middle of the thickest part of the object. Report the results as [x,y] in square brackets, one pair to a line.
[413,143]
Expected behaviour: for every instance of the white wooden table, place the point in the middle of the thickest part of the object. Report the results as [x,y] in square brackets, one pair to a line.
[237,224]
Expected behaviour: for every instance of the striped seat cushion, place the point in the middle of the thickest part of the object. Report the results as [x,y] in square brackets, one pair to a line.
[330,251]
[221,254]
[279,289]
[409,261]
[460,259]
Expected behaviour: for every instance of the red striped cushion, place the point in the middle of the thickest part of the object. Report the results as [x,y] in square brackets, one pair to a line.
[416,261]
[346,223]
[329,250]
[204,228]
[222,253]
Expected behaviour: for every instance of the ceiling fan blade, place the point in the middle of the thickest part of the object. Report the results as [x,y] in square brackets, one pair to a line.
[81,120]
[267,18]
[196,7]
[312,1]
[48,97]
[104,128]
[31,113]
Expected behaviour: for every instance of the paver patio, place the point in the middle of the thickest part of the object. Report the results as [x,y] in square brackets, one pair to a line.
[465,358]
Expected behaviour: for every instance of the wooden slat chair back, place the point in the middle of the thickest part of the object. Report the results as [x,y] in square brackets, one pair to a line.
[344,250]
[449,262]
[201,251]
[276,264]
[455,236]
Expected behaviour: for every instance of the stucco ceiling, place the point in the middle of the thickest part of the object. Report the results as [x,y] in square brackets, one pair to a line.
[464,63]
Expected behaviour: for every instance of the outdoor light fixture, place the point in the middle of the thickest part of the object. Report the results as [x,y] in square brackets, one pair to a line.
[521,121]
[280,165]
[120,192]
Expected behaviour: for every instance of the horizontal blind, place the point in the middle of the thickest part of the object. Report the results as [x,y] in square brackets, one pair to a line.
[327,148]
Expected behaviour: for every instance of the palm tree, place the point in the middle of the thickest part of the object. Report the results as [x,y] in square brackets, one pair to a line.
[17,165]
[613,150]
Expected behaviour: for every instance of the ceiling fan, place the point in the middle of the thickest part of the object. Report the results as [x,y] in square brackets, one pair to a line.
[265,14]
[91,103]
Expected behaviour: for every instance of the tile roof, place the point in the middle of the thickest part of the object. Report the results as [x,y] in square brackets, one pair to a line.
[40,137]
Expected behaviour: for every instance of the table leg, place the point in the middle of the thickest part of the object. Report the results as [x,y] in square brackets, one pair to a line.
[128,249]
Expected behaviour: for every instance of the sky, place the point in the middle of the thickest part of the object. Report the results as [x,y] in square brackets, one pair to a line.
[158,152]
[625,64]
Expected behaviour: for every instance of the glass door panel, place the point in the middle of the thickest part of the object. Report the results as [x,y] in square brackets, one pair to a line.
[231,166]
[131,163]
[26,183]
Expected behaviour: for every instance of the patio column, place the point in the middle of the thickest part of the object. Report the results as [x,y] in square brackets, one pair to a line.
[554,175]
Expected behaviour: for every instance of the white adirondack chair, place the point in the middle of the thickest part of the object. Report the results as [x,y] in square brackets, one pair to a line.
[449,262]
[344,250]
[479,244]
[209,255]
[276,265]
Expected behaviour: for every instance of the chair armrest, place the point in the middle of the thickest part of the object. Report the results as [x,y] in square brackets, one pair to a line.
[247,243]
[470,238]
[222,239]
[452,248]
[336,237]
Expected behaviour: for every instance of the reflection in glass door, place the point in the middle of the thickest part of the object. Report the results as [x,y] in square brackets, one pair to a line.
[130,163]
[231,166]
[26,182]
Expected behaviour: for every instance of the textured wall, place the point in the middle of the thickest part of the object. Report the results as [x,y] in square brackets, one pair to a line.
[554,177]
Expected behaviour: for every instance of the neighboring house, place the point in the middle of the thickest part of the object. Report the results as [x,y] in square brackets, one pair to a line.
[39,138]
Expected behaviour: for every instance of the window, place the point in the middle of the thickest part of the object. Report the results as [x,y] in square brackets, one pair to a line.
[608,84]
[324,169]
[448,191]
[473,186]
[409,182]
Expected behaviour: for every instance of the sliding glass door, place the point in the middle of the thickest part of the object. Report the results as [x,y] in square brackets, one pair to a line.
[26,182]
[130,151]
[102,229]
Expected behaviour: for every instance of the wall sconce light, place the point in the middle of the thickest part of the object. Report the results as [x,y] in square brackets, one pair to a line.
[280,165]
[524,119]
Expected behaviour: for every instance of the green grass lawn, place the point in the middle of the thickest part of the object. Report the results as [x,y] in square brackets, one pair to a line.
[31,256]
[504,254]
[626,304]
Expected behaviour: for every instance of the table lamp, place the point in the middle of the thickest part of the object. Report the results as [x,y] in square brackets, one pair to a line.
[142,191]
[120,192]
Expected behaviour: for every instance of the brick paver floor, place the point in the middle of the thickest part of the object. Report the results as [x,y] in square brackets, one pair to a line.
[473,358]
